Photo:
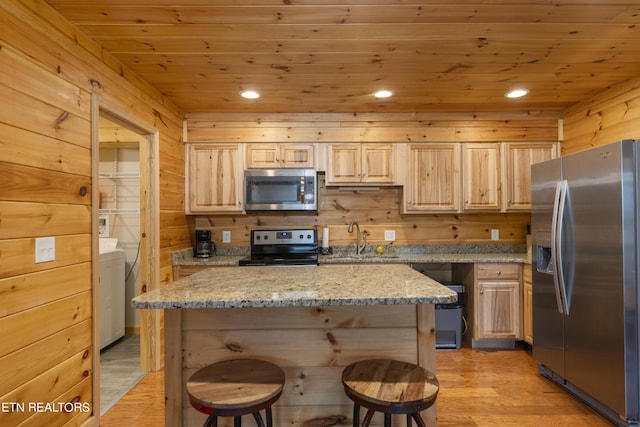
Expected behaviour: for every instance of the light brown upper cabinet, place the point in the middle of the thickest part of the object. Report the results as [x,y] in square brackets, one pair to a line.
[433,178]
[481,177]
[286,155]
[360,163]
[214,178]
[519,158]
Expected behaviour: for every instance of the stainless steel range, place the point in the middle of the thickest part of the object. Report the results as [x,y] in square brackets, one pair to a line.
[283,247]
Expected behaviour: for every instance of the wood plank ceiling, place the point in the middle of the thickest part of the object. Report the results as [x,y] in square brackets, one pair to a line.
[330,56]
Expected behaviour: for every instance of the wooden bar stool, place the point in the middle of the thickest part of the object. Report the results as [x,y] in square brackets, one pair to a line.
[234,388]
[390,387]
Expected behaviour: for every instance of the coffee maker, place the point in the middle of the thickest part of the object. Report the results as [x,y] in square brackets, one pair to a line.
[204,246]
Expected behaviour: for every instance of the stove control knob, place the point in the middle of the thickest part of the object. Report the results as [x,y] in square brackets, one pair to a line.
[309,236]
[266,237]
[301,236]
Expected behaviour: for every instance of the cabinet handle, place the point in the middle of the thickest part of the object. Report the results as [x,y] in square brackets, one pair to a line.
[482,292]
[498,272]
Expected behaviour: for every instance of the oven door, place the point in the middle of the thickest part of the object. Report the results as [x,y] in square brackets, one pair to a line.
[280,190]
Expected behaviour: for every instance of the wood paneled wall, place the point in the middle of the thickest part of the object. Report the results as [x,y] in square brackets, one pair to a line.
[377,211]
[48,74]
[607,117]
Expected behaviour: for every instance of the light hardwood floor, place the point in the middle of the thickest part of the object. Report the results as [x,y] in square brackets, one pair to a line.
[477,388]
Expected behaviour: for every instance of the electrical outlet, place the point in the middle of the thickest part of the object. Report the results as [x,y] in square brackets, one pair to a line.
[45,249]
[389,235]
[495,234]
[226,237]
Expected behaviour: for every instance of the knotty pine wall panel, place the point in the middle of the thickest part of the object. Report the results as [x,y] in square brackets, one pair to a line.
[49,72]
[607,117]
[374,211]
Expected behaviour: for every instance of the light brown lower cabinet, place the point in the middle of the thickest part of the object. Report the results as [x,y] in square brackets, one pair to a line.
[527,304]
[494,303]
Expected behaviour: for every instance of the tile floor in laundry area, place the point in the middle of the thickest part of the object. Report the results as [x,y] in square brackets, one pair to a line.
[119,370]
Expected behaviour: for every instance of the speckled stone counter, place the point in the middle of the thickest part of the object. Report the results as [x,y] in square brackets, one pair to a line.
[311,321]
[417,254]
[230,287]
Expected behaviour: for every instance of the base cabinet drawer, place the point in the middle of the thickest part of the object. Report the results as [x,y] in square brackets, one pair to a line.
[501,271]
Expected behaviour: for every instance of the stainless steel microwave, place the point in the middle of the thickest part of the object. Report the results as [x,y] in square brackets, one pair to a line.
[280,190]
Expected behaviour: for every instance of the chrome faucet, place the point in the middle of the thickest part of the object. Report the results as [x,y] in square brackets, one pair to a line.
[359,248]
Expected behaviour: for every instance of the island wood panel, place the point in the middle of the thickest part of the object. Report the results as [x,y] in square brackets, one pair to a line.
[607,117]
[312,345]
[50,71]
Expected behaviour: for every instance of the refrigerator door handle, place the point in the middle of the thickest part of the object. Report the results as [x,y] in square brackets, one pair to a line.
[554,246]
[558,243]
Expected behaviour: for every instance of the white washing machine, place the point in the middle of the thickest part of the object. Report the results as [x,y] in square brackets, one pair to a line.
[112,290]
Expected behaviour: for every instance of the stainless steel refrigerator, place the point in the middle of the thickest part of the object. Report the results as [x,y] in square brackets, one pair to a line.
[585,276]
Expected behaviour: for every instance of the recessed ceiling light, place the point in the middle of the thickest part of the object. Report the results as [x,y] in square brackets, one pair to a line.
[250,94]
[516,93]
[383,94]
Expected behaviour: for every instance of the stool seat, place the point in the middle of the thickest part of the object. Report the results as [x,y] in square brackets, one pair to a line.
[391,387]
[235,388]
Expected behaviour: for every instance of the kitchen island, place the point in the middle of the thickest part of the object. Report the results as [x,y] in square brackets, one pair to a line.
[311,321]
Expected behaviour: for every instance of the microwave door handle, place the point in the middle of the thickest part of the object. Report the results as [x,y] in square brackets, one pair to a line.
[554,246]
[301,193]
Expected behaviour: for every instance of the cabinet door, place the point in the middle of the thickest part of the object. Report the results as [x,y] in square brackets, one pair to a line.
[343,163]
[378,163]
[498,309]
[297,156]
[481,177]
[262,156]
[214,179]
[527,304]
[433,178]
[519,158]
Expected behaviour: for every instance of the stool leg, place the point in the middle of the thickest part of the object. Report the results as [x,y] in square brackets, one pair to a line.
[212,421]
[367,418]
[408,420]
[269,417]
[356,415]
[237,421]
[258,419]
[387,420]
[419,420]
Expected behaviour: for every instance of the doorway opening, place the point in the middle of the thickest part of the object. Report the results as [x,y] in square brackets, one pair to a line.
[126,243]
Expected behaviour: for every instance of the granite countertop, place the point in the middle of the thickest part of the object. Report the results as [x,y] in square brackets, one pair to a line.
[324,285]
[392,255]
